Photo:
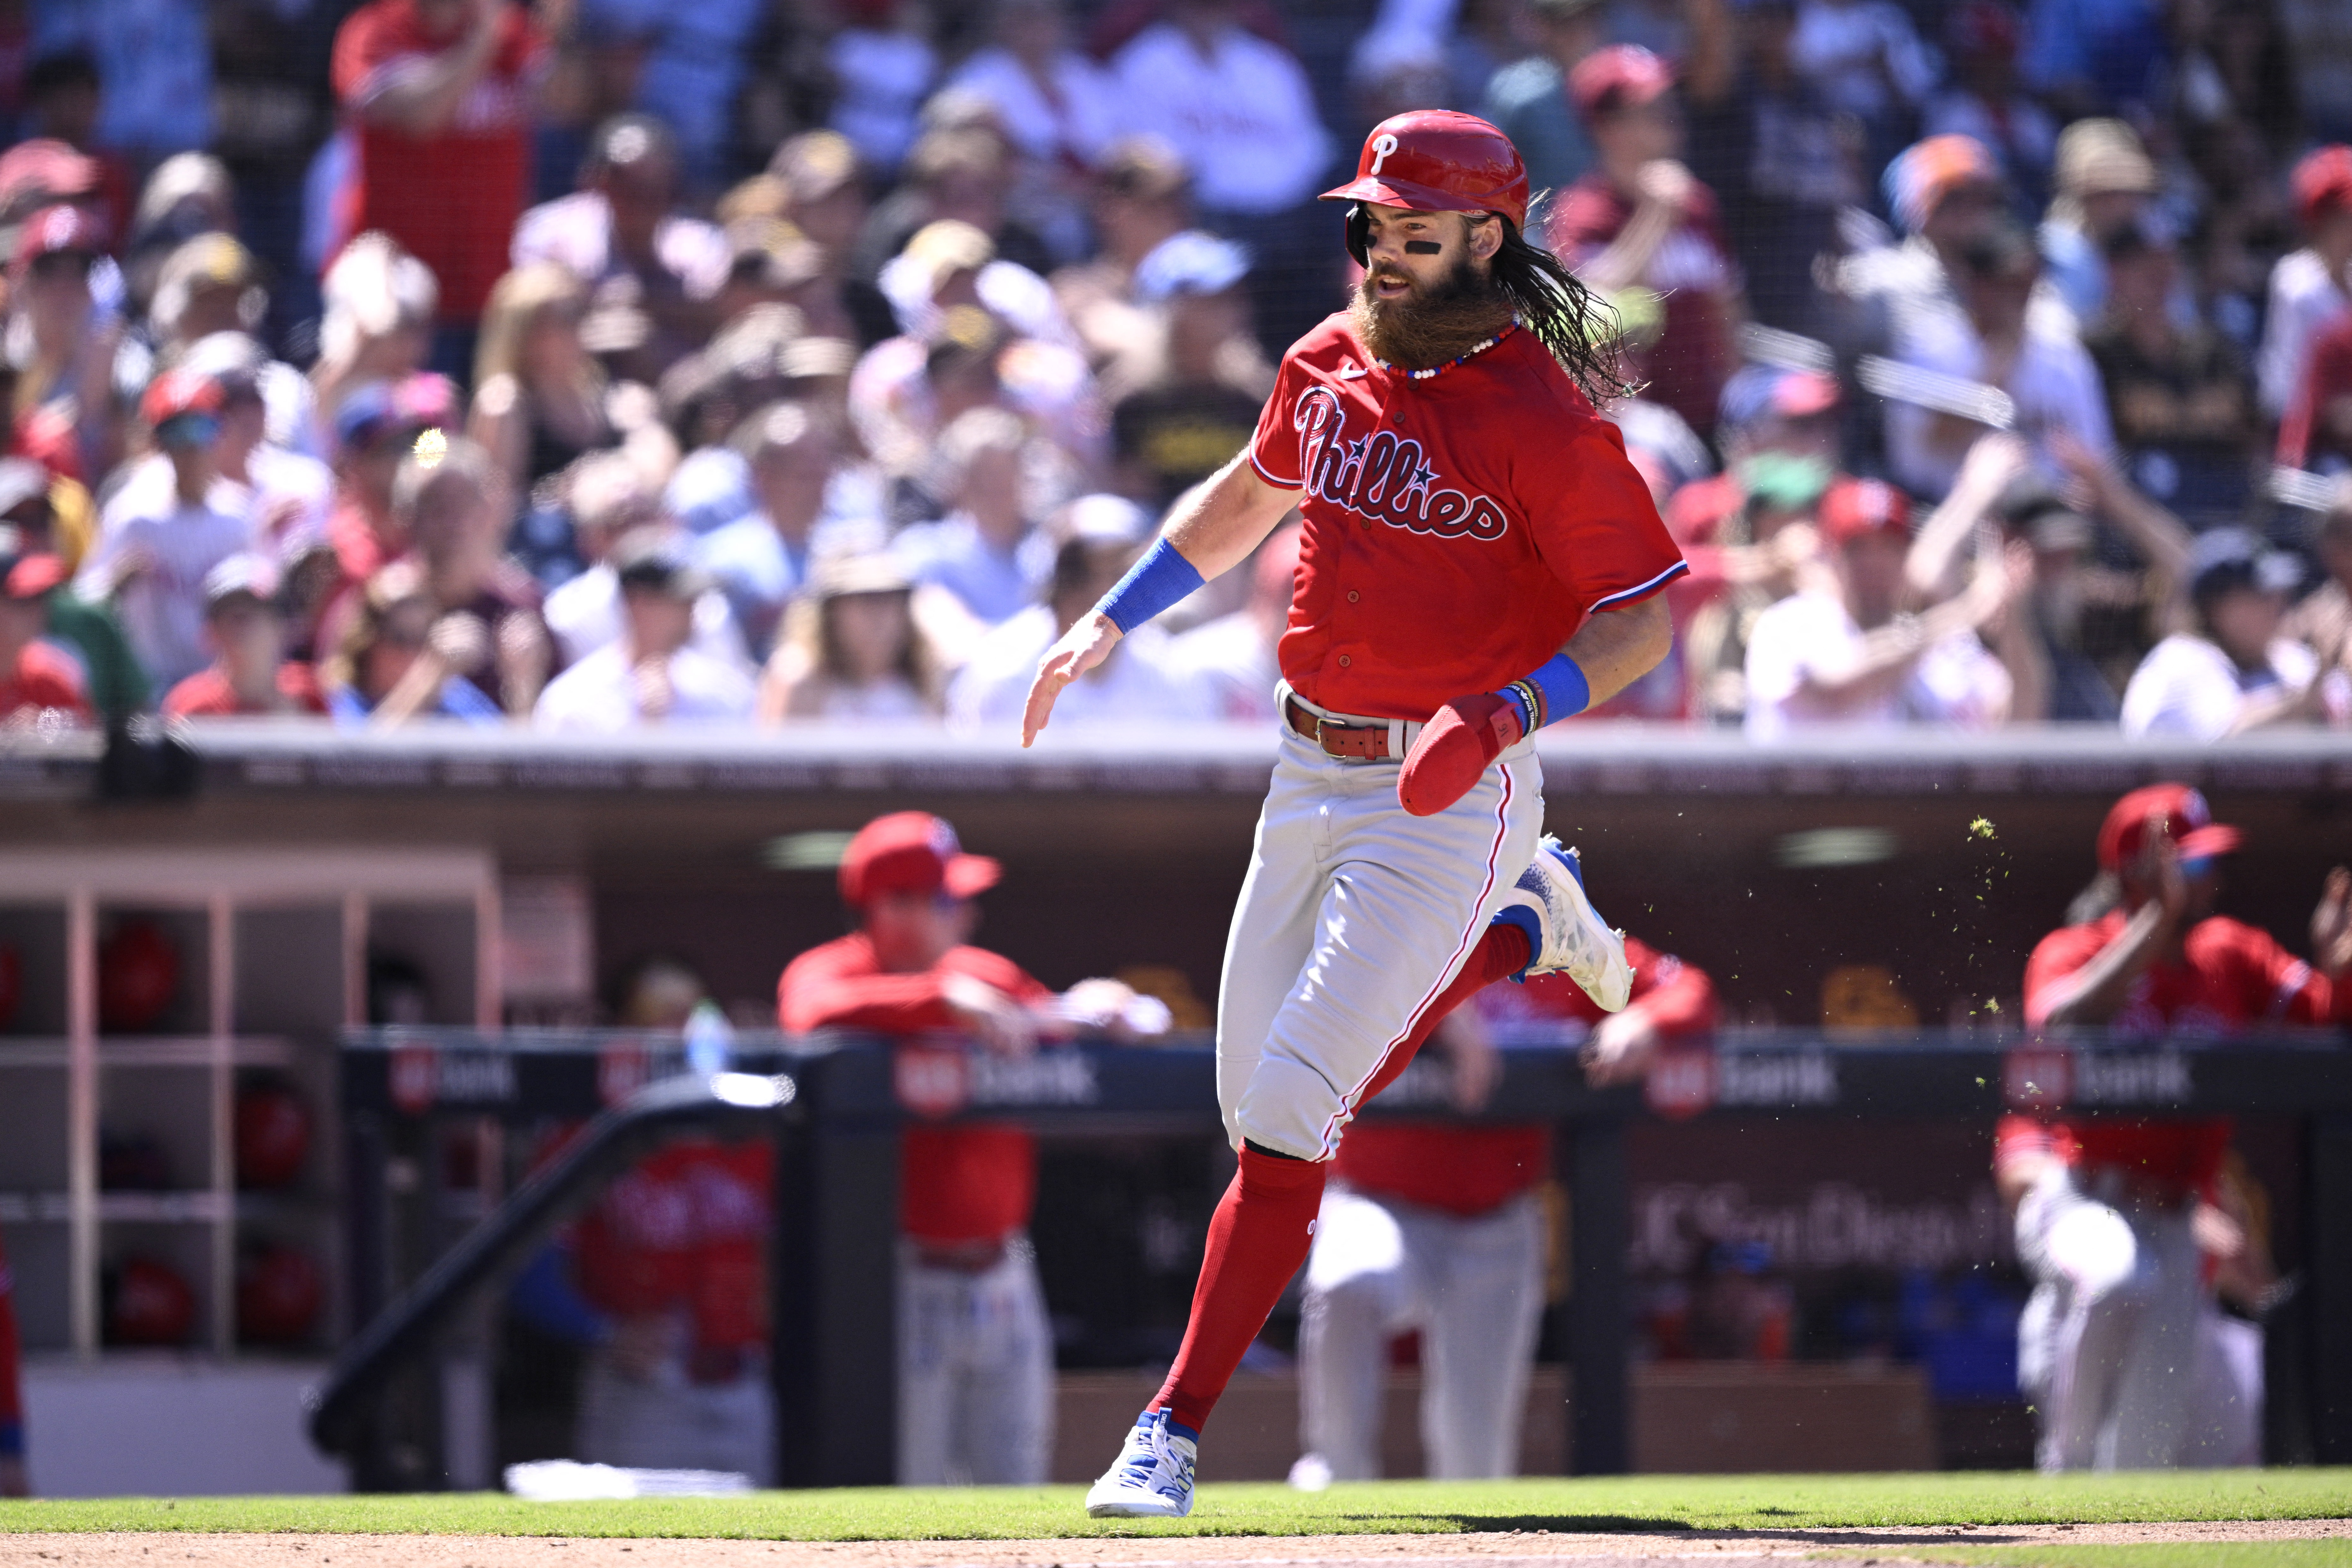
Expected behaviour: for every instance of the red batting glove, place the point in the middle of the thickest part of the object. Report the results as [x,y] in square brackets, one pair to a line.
[1455,749]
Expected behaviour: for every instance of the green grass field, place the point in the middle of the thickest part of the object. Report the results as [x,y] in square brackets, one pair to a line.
[1433,1507]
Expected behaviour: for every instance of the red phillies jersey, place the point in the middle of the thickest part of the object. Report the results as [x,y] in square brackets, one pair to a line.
[2229,975]
[451,197]
[961,1184]
[1459,529]
[45,677]
[1472,1170]
[207,694]
[683,1232]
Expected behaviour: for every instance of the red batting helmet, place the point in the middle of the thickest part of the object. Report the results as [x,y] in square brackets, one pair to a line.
[1436,161]
[138,977]
[148,1303]
[272,1135]
[278,1293]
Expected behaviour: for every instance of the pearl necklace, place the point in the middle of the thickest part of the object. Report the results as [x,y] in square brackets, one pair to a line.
[1471,352]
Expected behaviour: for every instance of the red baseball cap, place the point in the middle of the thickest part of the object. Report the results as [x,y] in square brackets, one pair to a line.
[911,852]
[2323,182]
[2182,811]
[1619,76]
[178,392]
[1851,507]
[44,167]
[1438,161]
[61,228]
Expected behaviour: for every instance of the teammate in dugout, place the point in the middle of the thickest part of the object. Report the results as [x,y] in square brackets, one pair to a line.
[2116,1349]
[1478,558]
[975,1351]
[1438,1227]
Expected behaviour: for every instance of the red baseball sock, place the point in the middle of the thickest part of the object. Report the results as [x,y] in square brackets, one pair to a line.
[1256,1242]
[1501,952]
[1262,1230]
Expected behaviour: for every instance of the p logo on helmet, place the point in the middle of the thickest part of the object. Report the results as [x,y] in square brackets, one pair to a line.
[1434,160]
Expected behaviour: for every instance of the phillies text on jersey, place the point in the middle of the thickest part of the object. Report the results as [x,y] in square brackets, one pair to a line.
[1458,528]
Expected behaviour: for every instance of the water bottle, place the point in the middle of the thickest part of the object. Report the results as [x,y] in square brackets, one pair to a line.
[708,1040]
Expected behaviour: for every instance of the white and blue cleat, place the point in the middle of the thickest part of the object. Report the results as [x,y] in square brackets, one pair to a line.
[1152,1477]
[1564,930]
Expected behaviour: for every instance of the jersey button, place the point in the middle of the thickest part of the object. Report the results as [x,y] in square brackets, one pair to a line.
[1353,595]
[1344,661]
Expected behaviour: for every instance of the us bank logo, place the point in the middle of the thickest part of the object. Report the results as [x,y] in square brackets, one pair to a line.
[1383,478]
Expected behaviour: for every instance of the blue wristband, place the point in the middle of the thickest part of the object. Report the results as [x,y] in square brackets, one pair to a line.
[1161,579]
[1558,686]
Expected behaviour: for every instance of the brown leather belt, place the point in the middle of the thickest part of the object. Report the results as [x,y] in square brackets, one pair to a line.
[1358,742]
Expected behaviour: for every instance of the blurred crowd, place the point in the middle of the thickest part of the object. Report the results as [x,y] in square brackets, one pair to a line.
[588,364]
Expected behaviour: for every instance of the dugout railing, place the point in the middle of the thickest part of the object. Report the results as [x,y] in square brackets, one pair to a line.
[835,1109]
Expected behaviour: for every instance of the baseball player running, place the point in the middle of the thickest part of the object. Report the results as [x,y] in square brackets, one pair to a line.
[1479,559]
[2116,1348]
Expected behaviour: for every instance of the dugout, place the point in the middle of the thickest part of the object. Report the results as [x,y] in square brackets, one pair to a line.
[1936,860]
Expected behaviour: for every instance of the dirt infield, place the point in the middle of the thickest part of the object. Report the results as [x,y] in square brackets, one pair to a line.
[1515,1549]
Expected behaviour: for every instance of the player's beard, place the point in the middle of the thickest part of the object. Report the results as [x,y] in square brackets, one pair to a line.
[1435,322]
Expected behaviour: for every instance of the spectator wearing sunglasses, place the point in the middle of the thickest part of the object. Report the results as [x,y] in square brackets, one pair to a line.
[172,520]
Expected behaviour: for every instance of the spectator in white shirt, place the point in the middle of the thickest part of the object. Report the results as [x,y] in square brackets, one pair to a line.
[2308,287]
[2235,672]
[173,520]
[1140,682]
[1238,108]
[648,675]
[291,494]
[760,561]
[1058,107]
[1852,658]
[610,500]
[851,651]
[983,562]
[2003,342]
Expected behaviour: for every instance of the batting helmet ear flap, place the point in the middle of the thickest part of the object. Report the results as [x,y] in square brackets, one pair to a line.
[1359,232]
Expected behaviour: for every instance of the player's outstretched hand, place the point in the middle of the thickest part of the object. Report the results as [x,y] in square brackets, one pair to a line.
[1456,746]
[1083,646]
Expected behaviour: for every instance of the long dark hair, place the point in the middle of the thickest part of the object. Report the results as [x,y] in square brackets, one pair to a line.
[1578,326]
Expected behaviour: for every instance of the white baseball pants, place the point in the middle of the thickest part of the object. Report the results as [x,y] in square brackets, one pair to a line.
[675,1424]
[975,1373]
[1354,917]
[2128,1363]
[1473,1287]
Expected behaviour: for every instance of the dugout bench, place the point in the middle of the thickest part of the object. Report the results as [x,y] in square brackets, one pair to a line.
[834,1107]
